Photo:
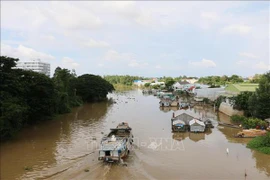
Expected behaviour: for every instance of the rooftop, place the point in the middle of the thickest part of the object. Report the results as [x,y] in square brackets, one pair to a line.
[242,87]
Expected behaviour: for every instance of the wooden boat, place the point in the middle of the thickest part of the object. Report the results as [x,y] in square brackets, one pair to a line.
[208,124]
[251,133]
[228,125]
[117,144]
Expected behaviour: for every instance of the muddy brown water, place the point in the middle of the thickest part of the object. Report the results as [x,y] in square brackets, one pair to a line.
[67,146]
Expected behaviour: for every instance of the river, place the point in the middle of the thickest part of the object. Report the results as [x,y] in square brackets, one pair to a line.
[67,146]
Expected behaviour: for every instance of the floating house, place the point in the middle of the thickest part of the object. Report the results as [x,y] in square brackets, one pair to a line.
[196,125]
[181,118]
[179,125]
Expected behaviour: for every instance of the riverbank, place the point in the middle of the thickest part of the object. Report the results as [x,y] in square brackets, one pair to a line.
[28,97]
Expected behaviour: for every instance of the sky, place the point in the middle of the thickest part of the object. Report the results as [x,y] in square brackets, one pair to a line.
[144,38]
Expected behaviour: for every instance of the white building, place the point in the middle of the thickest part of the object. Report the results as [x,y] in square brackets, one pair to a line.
[36,66]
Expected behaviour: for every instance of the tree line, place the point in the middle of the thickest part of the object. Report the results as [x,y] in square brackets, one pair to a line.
[122,79]
[29,97]
[220,80]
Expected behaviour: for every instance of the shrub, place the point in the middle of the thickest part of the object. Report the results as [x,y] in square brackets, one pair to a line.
[261,143]
[206,100]
[238,119]
[253,123]
[248,122]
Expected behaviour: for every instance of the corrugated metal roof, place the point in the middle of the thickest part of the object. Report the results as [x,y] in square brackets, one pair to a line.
[178,122]
[111,145]
[196,121]
[242,87]
[188,112]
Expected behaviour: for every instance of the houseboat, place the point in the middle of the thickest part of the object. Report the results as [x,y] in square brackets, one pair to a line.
[117,144]
[196,125]
[181,118]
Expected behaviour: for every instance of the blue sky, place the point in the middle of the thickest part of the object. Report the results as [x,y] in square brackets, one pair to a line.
[144,38]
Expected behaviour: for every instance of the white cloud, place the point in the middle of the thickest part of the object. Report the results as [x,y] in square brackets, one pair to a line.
[240,62]
[262,66]
[24,53]
[48,37]
[204,63]
[96,44]
[210,15]
[44,16]
[27,17]
[100,65]
[69,16]
[69,63]
[113,55]
[158,67]
[248,55]
[137,64]
[129,10]
[237,28]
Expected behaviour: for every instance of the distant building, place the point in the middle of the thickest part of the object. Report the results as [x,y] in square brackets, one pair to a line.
[181,85]
[191,81]
[36,66]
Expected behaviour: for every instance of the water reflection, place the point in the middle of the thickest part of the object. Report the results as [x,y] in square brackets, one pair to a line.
[180,136]
[51,142]
[168,109]
[262,161]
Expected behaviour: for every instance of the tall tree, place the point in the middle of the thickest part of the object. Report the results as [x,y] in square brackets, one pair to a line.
[259,103]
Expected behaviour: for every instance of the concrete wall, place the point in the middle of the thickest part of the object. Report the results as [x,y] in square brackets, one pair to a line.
[228,109]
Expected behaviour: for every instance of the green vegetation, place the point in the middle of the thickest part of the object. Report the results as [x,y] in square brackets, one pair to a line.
[219,100]
[256,78]
[259,102]
[156,86]
[169,82]
[261,143]
[249,123]
[28,97]
[146,85]
[206,100]
[240,102]
[220,80]
[119,79]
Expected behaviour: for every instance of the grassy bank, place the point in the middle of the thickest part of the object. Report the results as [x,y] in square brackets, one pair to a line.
[261,143]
